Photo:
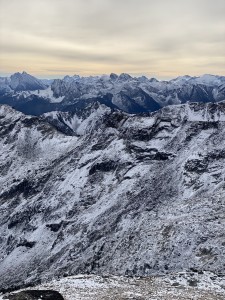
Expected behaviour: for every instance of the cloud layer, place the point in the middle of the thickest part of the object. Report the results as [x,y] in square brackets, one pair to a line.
[157,38]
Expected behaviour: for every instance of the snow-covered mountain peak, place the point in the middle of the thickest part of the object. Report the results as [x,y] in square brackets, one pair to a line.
[124,77]
[182,79]
[68,78]
[211,80]
[113,76]
[9,114]
[24,81]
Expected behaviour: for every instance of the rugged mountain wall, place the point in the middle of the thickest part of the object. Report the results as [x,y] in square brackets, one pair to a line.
[135,195]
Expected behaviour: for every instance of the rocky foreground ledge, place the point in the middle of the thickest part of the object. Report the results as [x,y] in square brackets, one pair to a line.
[34,294]
[178,286]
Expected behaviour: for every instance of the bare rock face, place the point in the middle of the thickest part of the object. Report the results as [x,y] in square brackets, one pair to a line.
[126,195]
[35,295]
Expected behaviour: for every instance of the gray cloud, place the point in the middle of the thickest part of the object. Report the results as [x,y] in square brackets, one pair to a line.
[139,36]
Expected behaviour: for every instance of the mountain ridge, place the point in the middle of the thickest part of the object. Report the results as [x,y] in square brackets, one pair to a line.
[127,195]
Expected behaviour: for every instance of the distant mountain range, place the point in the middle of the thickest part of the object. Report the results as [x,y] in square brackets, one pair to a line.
[129,94]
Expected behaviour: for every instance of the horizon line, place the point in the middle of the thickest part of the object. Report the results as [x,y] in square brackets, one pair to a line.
[133,75]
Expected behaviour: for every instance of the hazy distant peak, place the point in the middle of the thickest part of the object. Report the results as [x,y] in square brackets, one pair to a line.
[113,76]
[24,81]
[124,76]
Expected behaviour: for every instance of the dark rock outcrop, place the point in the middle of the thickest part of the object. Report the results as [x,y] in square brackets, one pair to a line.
[35,295]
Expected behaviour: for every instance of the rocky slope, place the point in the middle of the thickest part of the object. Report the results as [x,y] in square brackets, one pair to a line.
[126,195]
[129,94]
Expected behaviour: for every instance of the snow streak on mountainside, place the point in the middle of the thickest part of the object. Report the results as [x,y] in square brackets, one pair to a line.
[128,195]
[129,94]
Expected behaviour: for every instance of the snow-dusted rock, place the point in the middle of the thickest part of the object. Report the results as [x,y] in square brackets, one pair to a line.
[127,195]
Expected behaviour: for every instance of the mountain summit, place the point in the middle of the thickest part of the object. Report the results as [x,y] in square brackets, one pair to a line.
[25,82]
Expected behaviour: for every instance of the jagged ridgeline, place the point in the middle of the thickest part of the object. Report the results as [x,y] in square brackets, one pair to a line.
[130,94]
[111,192]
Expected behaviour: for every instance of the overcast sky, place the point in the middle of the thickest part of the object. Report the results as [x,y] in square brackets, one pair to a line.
[160,38]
